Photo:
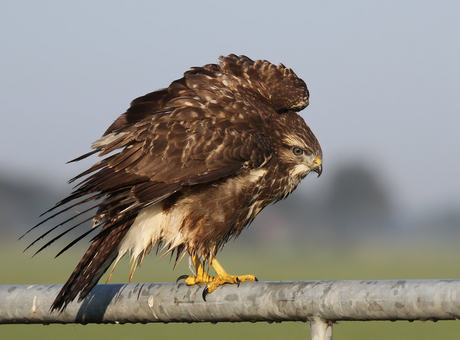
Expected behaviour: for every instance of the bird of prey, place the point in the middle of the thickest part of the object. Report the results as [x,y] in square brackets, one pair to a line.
[188,167]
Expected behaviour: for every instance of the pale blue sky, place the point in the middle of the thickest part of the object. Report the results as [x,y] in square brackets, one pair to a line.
[384,78]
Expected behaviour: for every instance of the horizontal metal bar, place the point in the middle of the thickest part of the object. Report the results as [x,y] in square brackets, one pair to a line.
[258,301]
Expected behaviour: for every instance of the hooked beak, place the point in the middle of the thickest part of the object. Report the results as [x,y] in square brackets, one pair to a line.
[317,166]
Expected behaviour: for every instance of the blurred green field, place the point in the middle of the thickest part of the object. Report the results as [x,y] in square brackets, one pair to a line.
[376,261]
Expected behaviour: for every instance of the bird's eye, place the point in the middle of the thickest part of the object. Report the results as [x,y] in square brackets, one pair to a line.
[297,151]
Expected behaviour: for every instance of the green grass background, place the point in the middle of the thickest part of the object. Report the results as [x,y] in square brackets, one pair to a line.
[269,263]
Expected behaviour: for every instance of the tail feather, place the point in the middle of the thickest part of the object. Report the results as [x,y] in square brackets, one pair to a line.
[95,262]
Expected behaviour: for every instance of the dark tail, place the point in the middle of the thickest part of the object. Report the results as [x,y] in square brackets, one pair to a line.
[97,259]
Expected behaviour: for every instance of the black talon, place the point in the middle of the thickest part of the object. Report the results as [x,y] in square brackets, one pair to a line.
[205,292]
[182,277]
[256,278]
[238,281]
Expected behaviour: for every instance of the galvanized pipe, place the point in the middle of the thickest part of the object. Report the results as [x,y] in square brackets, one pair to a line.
[320,302]
[321,329]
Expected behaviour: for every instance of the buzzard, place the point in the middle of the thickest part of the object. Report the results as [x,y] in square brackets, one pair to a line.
[188,167]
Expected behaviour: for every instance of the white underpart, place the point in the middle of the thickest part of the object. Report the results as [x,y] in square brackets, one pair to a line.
[255,175]
[252,176]
[151,226]
[298,169]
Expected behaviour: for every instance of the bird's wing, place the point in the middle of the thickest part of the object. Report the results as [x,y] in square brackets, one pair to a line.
[159,158]
[149,159]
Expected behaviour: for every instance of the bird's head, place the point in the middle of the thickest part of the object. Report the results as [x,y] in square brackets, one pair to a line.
[301,160]
[296,160]
[299,151]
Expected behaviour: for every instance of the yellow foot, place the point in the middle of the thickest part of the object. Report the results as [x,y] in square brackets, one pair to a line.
[213,281]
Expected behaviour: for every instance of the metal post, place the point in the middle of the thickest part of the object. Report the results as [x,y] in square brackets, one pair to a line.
[320,329]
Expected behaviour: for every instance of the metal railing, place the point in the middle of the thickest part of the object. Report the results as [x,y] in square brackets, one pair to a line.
[319,302]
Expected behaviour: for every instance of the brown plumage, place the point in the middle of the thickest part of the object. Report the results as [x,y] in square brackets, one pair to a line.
[186,168]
